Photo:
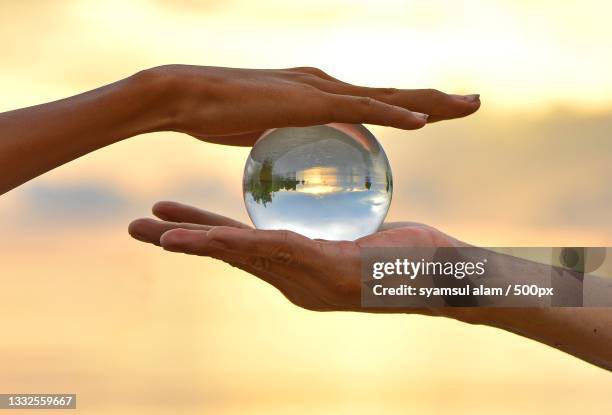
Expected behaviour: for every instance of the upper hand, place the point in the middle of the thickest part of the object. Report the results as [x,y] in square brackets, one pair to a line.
[234,106]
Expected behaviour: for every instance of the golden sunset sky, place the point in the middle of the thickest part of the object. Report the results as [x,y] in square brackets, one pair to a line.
[132,329]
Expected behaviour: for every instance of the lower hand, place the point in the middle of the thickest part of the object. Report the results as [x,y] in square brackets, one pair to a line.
[326,275]
[313,274]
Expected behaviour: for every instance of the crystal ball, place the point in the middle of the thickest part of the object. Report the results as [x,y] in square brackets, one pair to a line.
[326,182]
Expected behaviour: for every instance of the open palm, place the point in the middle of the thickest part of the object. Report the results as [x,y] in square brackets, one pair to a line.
[313,274]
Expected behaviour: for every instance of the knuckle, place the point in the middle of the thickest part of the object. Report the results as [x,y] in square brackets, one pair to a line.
[436,102]
[259,263]
[298,69]
[216,237]
[326,108]
[311,81]
[388,92]
[306,74]
[434,93]
[283,252]
[365,103]
[319,72]
[214,232]
[365,106]
[436,97]
[311,70]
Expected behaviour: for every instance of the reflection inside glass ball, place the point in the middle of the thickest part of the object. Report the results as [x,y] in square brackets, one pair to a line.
[327,182]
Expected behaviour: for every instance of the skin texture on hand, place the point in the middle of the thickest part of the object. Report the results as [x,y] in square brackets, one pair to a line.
[326,275]
[220,105]
[313,274]
[242,103]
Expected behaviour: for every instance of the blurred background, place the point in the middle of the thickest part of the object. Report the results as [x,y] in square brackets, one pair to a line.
[132,329]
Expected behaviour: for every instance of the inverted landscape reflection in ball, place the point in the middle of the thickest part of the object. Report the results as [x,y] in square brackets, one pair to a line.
[328,182]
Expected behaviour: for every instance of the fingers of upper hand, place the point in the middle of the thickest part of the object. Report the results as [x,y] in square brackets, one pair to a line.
[363,109]
[315,74]
[437,104]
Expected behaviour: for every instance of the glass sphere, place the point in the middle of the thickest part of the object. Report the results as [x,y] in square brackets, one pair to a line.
[328,181]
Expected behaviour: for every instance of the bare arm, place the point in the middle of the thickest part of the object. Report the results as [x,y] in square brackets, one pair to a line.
[220,105]
[326,275]
[583,332]
[37,139]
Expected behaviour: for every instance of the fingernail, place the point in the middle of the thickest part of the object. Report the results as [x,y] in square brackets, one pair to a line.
[420,115]
[468,98]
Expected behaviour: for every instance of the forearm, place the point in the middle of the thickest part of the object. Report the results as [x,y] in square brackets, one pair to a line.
[585,332]
[239,104]
[37,139]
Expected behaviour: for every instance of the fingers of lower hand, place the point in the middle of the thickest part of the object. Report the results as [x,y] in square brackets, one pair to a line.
[264,247]
[178,212]
[260,249]
[151,230]
[275,256]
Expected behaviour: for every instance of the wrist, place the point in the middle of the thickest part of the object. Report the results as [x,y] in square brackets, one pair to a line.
[159,90]
[503,269]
